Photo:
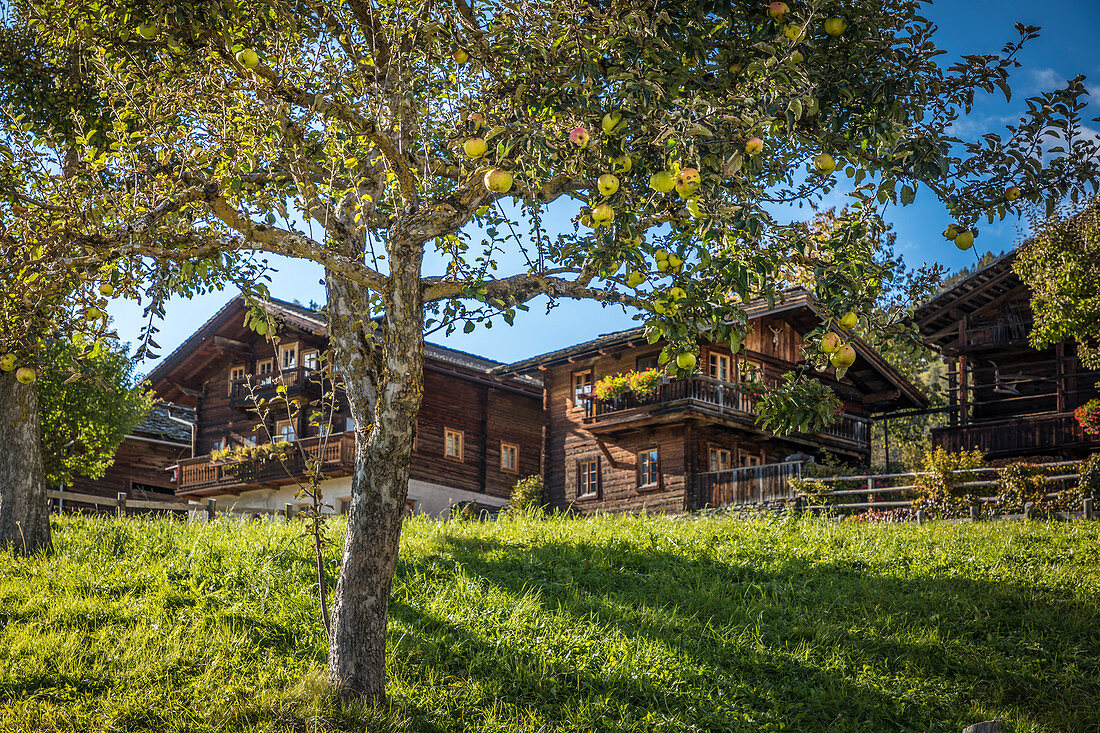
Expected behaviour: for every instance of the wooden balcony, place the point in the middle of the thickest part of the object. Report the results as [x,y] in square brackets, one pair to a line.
[1051,433]
[747,485]
[246,391]
[203,476]
[714,398]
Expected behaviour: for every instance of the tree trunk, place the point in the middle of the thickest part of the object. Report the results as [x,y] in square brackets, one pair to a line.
[384,392]
[24,509]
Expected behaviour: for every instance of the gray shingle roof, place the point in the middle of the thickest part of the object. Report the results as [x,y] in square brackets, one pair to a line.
[161,425]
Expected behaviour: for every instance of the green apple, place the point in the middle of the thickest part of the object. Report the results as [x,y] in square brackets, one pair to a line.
[612,123]
[460,56]
[662,181]
[1013,193]
[248,58]
[965,240]
[148,31]
[608,184]
[694,208]
[25,375]
[951,231]
[824,164]
[830,342]
[602,215]
[106,290]
[674,262]
[686,361]
[843,357]
[7,362]
[476,121]
[797,57]
[661,254]
[475,147]
[849,320]
[835,26]
[677,293]
[622,164]
[794,33]
[498,181]
[754,145]
[635,278]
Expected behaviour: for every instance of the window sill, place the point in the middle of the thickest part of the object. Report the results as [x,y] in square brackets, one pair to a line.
[646,488]
[588,497]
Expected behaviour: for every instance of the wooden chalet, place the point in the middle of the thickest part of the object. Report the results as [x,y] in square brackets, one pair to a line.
[140,467]
[695,442]
[1006,398]
[477,433]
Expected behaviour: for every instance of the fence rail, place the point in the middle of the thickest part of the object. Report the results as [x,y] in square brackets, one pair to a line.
[122,504]
[747,485]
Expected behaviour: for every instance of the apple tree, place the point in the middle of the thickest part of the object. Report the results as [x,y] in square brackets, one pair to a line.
[631,153]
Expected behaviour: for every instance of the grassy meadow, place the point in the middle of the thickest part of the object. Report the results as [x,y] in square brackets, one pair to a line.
[606,624]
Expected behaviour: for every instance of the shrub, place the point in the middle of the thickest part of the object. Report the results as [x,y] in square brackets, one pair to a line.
[526,496]
[1089,484]
[939,491]
[1021,483]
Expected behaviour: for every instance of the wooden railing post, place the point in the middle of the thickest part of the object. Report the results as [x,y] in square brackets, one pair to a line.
[121,500]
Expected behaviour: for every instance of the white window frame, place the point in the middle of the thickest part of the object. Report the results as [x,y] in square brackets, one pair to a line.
[506,449]
[719,366]
[280,436]
[290,349]
[580,389]
[461,440]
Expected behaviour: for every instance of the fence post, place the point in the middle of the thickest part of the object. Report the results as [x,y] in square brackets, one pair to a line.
[121,498]
[1029,510]
[211,509]
[921,516]
[288,511]
[870,488]
[975,512]
[1086,508]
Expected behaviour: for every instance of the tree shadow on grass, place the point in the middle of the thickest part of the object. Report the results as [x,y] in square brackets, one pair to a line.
[730,646]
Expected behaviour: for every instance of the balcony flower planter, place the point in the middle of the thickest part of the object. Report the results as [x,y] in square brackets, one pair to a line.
[1088,417]
[616,387]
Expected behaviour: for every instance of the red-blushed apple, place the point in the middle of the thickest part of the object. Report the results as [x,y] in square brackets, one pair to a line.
[824,164]
[662,181]
[835,26]
[579,136]
[843,357]
[612,123]
[25,375]
[754,145]
[965,240]
[602,215]
[248,58]
[778,11]
[475,147]
[686,361]
[460,56]
[830,342]
[849,320]
[498,181]
[687,182]
[476,121]
[1013,193]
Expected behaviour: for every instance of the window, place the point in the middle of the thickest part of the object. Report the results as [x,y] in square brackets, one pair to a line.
[647,362]
[236,374]
[285,431]
[248,441]
[452,443]
[719,459]
[311,360]
[288,356]
[509,457]
[751,459]
[324,428]
[649,473]
[217,444]
[718,366]
[349,425]
[582,385]
[588,478]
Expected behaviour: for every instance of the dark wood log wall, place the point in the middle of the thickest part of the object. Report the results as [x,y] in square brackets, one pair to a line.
[138,471]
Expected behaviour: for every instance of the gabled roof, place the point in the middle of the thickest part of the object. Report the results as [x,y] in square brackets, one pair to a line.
[937,318]
[790,302]
[311,321]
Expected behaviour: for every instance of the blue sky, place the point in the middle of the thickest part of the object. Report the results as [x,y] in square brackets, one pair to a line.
[1067,47]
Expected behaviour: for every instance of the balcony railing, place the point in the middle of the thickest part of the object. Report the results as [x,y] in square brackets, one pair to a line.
[747,485]
[336,453]
[713,395]
[1035,434]
[243,391]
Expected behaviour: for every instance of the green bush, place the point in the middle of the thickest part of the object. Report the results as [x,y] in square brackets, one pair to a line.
[1089,484]
[939,492]
[526,496]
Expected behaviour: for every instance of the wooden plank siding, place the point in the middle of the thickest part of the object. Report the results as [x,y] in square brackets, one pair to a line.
[139,471]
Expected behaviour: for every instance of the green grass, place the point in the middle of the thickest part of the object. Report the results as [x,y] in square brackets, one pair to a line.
[605,624]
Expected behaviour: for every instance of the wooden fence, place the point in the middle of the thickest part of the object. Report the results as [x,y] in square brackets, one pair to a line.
[210,509]
[874,495]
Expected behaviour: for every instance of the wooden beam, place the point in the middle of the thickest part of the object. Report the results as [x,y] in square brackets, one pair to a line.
[876,397]
[225,342]
[968,296]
